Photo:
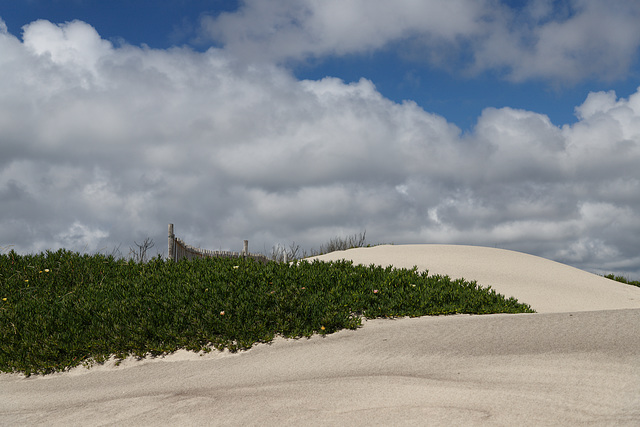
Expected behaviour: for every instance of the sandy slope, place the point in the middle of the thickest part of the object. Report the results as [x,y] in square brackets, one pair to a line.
[565,365]
[548,286]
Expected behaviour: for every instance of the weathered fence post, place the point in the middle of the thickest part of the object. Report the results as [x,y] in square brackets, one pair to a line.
[245,249]
[286,257]
[171,248]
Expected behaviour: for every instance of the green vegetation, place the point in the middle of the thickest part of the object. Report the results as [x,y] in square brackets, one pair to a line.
[62,309]
[623,279]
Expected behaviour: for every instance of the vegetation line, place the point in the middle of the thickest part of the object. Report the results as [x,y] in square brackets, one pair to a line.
[63,309]
[623,279]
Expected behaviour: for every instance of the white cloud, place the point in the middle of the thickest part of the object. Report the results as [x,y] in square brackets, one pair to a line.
[565,41]
[70,43]
[285,29]
[596,40]
[136,138]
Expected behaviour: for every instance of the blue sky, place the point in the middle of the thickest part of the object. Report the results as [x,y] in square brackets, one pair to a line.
[157,23]
[486,122]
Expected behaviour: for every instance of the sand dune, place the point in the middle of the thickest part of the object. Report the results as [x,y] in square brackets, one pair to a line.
[575,362]
[547,286]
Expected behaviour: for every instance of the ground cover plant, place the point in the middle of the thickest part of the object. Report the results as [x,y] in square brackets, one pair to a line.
[623,279]
[62,309]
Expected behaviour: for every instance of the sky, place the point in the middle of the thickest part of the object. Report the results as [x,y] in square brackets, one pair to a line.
[510,124]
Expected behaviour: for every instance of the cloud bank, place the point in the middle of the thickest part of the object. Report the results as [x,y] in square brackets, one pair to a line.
[103,145]
[566,41]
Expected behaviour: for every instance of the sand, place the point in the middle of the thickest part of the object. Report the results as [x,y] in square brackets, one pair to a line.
[548,286]
[575,362]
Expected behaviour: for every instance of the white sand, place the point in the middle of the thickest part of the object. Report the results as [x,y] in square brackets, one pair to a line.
[565,365]
[547,286]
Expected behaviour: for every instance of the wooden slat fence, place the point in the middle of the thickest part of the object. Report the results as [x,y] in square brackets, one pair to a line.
[178,250]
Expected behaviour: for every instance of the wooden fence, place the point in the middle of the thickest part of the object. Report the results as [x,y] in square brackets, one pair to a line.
[179,250]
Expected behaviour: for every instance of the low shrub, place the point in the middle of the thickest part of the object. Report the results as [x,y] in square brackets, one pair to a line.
[623,279]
